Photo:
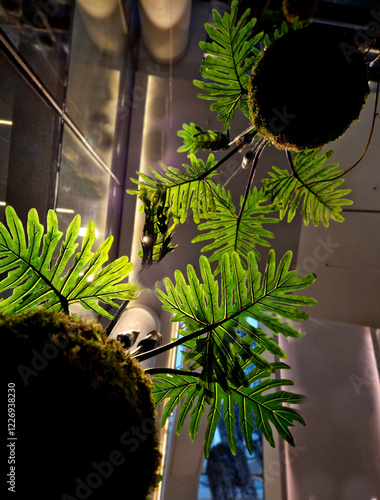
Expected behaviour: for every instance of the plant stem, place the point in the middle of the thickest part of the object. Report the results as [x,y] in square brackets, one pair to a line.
[294,172]
[171,345]
[259,147]
[246,138]
[116,318]
[170,371]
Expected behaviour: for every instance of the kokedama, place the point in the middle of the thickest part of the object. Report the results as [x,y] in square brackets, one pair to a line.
[307,89]
[85,414]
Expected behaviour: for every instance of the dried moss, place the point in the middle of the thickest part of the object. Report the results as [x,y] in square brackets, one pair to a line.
[301,9]
[308,88]
[79,398]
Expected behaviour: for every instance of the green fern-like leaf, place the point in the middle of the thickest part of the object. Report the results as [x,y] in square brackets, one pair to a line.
[196,138]
[158,226]
[313,181]
[37,279]
[255,408]
[239,232]
[184,189]
[212,311]
[232,54]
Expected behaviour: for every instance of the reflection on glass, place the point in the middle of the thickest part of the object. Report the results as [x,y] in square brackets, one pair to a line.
[5,139]
[83,187]
[226,476]
[98,60]
[29,145]
[233,477]
[40,33]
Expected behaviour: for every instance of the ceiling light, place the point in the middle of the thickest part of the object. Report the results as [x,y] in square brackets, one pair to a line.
[65,210]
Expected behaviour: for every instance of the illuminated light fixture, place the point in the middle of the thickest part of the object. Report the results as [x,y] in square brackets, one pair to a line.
[164,14]
[65,210]
[2,203]
[105,23]
[165,28]
[99,9]
[6,122]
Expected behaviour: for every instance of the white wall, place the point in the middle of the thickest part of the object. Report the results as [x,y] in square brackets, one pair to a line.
[338,452]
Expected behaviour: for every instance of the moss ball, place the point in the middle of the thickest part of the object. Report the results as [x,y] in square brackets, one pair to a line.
[303,9]
[307,88]
[85,418]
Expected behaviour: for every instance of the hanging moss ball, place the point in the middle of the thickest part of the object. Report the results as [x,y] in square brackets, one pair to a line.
[303,9]
[85,418]
[307,88]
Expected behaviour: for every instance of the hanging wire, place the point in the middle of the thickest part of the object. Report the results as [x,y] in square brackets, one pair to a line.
[375,115]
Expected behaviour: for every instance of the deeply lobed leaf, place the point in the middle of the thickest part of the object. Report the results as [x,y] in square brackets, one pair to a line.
[184,189]
[237,232]
[196,138]
[256,409]
[214,310]
[232,54]
[37,281]
[311,185]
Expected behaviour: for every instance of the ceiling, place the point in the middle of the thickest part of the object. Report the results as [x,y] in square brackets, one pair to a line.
[348,285]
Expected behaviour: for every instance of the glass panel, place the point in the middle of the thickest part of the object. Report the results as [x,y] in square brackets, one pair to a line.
[29,138]
[84,187]
[237,477]
[227,476]
[5,139]
[39,30]
[100,68]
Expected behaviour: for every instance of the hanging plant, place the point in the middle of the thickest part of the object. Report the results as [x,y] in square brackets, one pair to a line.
[79,392]
[84,409]
[306,90]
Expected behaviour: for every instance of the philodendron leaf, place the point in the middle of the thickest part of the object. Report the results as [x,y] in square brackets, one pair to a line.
[189,188]
[231,56]
[38,279]
[311,185]
[255,408]
[196,138]
[158,226]
[237,232]
[212,311]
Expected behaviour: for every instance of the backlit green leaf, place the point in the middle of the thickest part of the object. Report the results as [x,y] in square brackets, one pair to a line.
[36,279]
